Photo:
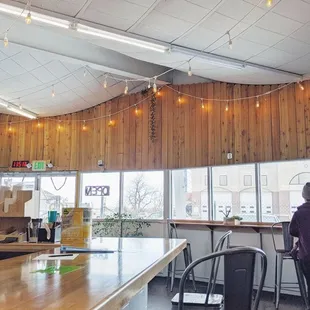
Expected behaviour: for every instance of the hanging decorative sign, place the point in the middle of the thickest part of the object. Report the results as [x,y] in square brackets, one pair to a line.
[20,163]
[97,190]
[39,165]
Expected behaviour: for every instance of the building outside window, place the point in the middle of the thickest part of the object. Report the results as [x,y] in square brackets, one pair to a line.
[238,196]
[190,193]
[102,206]
[264,180]
[223,180]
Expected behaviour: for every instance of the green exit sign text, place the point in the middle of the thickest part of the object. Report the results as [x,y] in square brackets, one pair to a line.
[39,165]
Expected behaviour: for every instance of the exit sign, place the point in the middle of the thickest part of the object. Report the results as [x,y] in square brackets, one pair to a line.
[39,165]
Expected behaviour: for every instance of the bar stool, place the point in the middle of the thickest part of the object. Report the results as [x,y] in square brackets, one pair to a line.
[284,255]
[187,252]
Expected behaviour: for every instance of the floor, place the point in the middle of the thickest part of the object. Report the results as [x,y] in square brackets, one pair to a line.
[159,298]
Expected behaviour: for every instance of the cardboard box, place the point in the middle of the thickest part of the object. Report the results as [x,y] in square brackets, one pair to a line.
[76,226]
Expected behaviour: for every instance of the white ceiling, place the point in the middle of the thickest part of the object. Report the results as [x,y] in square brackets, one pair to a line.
[275,40]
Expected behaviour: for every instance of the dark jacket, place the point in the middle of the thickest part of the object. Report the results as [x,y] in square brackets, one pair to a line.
[300,228]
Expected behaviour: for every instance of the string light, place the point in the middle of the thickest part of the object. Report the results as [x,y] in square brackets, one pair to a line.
[227,106]
[230,44]
[59,126]
[268,3]
[158,93]
[137,111]
[5,40]
[105,82]
[126,88]
[154,85]
[202,104]
[300,86]
[28,18]
[189,73]
[257,102]
[53,92]
[84,126]
[38,124]
[10,127]
[149,86]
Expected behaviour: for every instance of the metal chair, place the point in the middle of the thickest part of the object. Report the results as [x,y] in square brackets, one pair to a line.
[284,254]
[187,252]
[216,300]
[239,267]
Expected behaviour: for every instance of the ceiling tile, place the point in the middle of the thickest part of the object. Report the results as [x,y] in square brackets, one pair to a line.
[25,60]
[262,36]
[302,34]
[29,80]
[279,24]
[182,9]
[44,75]
[299,11]
[301,65]
[293,47]
[57,69]
[236,9]
[274,63]
[276,55]
[11,67]
[71,82]
[219,23]
[210,4]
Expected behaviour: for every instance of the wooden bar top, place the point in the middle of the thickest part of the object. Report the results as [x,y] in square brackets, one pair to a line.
[27,247]
[215,224]
[105,281]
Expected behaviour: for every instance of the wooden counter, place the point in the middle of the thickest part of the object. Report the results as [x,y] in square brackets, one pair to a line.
[26,247]
[105,281]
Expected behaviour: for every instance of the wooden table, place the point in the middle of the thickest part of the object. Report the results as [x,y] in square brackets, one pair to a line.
[27,247]
[105,281]
[220,225]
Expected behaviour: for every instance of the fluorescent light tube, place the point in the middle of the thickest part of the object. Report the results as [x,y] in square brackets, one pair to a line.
[22,112]
[211,59]
[122,39]
[35,16]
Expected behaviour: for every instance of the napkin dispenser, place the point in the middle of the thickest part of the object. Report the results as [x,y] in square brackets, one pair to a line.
[55,235]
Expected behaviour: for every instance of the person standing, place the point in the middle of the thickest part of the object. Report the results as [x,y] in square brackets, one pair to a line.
[300,228]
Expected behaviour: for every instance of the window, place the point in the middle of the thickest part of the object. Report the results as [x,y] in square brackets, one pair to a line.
[223,180]
[143,194]
[190,194]
[26,182]
[102,205]
[56,192]
[282,195]
[264,180]
[247,180]
[236,198]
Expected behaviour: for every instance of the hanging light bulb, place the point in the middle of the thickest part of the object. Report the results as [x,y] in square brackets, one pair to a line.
[154,85]
[84,126]
[300,86]
[227,107]
[230,44]
[5,40]
[268,3]
[257,102]
[28,18]
[189,73]
[85,72]
[10,127]
[53,92]
[38,124]
[202,104]
[105,82]
[179,98]
[111,122]
[59,127]
[137,111]
[126,88]
[149,86]
[20,107]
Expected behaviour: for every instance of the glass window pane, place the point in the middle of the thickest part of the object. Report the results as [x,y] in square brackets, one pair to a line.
[56,192]
[102,205]
[143,194]
[190,193]
[282,195]
[239,196]
[27,183]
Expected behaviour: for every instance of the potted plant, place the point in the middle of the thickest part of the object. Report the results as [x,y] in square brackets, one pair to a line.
[226,215]
[236,219]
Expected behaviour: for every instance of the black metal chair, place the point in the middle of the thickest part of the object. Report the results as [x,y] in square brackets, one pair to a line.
[239,267]
[216,300]
[283,254]
[187,252]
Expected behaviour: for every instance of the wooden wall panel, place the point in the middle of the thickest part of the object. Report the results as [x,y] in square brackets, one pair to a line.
[186,134]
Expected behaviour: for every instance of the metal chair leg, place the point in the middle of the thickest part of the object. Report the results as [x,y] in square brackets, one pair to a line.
[169,273]
[173,274]
[275,281]
[279,279]
[301,283]
[189,260]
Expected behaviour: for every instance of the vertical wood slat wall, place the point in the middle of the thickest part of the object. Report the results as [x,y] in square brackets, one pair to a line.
[187,135]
